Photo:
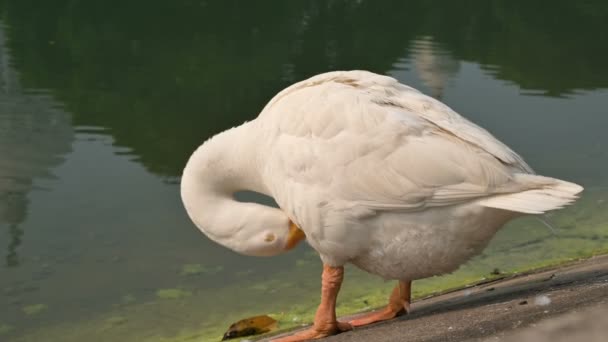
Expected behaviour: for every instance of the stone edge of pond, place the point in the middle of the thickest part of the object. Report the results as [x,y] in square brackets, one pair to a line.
[548,272]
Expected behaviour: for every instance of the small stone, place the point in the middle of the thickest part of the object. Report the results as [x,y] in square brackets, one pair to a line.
[542,300]
[550,277]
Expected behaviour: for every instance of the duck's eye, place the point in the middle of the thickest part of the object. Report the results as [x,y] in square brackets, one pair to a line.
[269,237]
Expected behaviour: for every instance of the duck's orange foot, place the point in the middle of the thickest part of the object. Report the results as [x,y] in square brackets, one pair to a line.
[325,323]
[316,332]
[378,316]
[398,304]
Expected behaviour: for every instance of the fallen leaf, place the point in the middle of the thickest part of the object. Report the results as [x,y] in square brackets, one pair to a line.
[250,326]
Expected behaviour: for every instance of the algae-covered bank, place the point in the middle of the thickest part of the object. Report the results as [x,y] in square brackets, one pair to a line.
[102,103]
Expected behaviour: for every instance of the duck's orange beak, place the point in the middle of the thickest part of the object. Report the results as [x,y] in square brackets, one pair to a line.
[294,236]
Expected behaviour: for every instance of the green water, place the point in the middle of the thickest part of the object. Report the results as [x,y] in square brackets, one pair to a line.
[101,104]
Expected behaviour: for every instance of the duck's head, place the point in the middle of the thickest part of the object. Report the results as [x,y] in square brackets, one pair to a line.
[263,236]
[269,241]
[246,228]
[216,171]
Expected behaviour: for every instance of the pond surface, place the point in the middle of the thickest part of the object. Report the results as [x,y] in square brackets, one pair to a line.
[101,104]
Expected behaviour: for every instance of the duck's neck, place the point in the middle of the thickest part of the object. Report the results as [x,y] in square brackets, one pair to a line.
[225,164]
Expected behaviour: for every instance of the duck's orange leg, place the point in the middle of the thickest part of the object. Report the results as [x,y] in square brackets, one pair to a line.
[398,304]
[325,319]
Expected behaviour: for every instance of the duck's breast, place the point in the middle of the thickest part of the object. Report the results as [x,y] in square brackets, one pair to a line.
[418,245]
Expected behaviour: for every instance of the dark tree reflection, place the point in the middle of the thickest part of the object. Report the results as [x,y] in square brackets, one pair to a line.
[34,134]
[166,75]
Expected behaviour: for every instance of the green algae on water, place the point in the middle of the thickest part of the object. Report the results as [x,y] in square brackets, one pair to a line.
[34,309]
[192,269]
[5,329]
[128,299]
[116,320]
[303,262]
[173,294]
[198,269]
[244,273]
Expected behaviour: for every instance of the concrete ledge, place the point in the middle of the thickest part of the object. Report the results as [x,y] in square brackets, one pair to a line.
[563,304]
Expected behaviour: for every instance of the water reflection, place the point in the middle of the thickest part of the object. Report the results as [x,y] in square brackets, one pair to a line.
[162,89]
[434,65]
[34,133]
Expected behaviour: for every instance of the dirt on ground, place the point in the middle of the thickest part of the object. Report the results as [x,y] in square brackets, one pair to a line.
[569,303]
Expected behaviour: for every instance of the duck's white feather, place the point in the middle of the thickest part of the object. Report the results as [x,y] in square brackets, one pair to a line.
[547,194]
[378,173]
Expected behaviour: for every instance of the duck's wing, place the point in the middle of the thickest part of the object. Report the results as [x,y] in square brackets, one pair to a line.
[367,143]
[397,97]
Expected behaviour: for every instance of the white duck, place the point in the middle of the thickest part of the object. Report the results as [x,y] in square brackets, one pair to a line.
[374,173]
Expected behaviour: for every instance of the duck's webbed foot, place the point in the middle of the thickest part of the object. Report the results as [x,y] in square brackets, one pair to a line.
[317,331]
[398,304]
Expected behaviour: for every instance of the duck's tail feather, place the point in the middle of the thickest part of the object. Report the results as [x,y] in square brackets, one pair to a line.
[543,194]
